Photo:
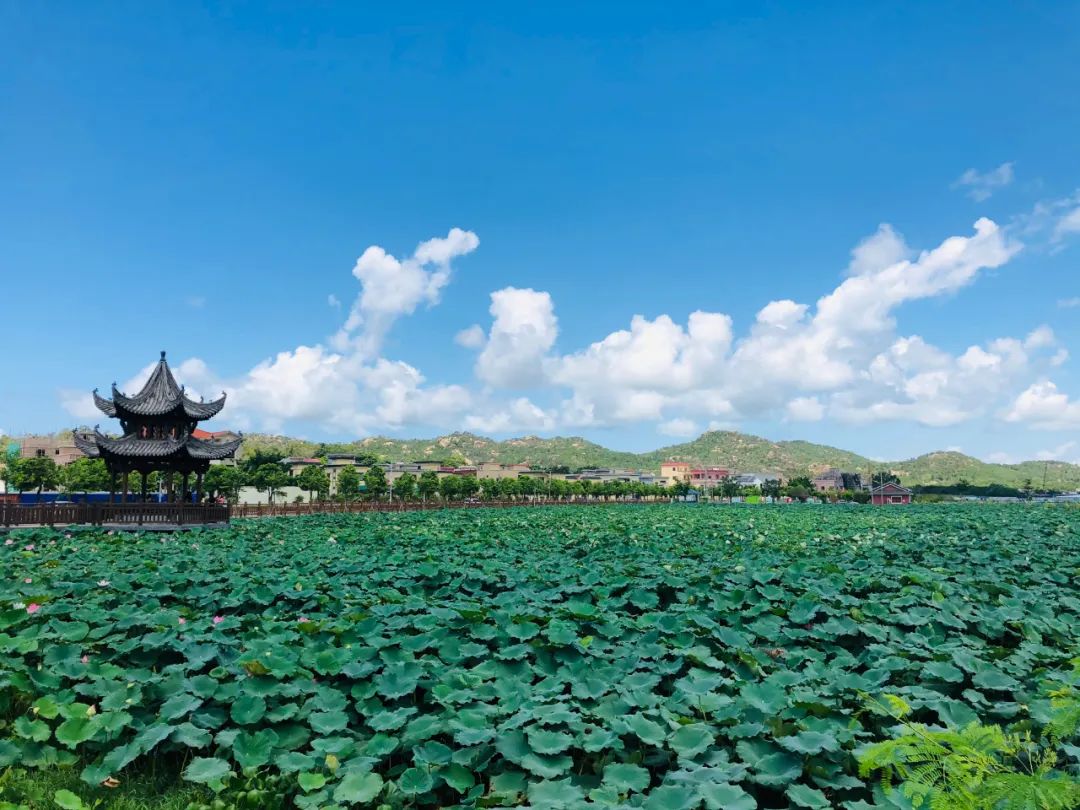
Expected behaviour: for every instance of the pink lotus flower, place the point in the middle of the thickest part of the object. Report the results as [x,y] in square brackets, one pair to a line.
[9,542]
[33,608]
[86,659]
[302,619]
[182,620]
[104,583]
[30,547]
[219,619]
[28,580]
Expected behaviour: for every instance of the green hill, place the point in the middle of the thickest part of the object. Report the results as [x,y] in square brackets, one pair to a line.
[737,451]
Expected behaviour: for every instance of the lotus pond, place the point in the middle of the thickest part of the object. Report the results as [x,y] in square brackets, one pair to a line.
[622,656]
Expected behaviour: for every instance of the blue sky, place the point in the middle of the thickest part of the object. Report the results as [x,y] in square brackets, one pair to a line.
[203,180]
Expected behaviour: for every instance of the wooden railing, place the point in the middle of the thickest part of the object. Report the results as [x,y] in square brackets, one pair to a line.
[97,514]
[189,514]
[338,507]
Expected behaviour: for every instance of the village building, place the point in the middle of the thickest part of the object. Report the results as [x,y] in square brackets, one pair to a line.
[62,450]
[890,494]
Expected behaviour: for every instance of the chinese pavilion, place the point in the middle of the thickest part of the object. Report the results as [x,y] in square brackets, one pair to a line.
[157,425]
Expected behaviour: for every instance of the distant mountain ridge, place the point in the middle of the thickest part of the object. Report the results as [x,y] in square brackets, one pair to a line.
[736,451]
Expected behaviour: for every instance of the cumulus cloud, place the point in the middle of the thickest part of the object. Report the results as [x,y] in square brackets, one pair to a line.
[982,185]
[1063,452]
[472,337]
[679,427]
[523,330]
[519,415]
[391,287]
[346,387]
[1069,303]
[1042,405]
[841,357]
[333,301]
[805,409]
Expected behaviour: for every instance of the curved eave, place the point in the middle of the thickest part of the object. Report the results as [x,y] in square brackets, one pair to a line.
[88,447]
[212,451]
[203,410]
[106,406]
[131,446]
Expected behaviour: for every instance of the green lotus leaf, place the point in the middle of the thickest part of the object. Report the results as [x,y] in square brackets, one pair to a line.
[646,729]
[293,761]
[625,777]
[691,740]
[414,781]
[458,777]
[552,794]
[253,750]
[205,770]
[806,796]
[37,730]
[722,796]
[356,788]
[248,709]
[310,780]
[548,742]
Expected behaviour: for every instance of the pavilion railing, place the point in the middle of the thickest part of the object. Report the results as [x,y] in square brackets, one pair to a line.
[98,514]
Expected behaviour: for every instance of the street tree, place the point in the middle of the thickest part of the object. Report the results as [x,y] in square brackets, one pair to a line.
[375,482]
[86,475]
[315,480]
[428,484]
[39,474]
[270,478]
[348,483]
[405,486]
[449,487]
[225,480]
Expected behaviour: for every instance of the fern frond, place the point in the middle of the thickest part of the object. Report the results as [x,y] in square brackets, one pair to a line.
[1018,791]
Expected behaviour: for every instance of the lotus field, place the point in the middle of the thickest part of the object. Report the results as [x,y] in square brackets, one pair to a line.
[666,656]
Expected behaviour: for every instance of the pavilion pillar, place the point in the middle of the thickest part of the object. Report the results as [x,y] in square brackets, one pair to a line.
[112,487]
[184,488]
[169,487]
[124,487]
[144,477]
[199,487]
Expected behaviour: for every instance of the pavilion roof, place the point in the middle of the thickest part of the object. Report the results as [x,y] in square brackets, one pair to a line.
[132,446]
[161,395]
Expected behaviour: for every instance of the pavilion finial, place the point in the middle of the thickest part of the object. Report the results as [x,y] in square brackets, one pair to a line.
[162,354]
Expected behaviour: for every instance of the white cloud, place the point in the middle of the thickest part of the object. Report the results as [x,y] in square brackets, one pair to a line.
[805,409]
[196,301]
[391,287]
[840,358]
[519,415]
[472,337]
[679,427]
[333,301]
[1068,224]
[1040,338]
[523,331]
[1069,303]
[982,185]
[1063,452]
[1045,407]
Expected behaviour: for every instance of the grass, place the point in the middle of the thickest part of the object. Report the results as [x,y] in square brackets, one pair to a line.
[35,789]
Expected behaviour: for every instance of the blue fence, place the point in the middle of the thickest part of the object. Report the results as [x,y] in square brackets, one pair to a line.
[77,497]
